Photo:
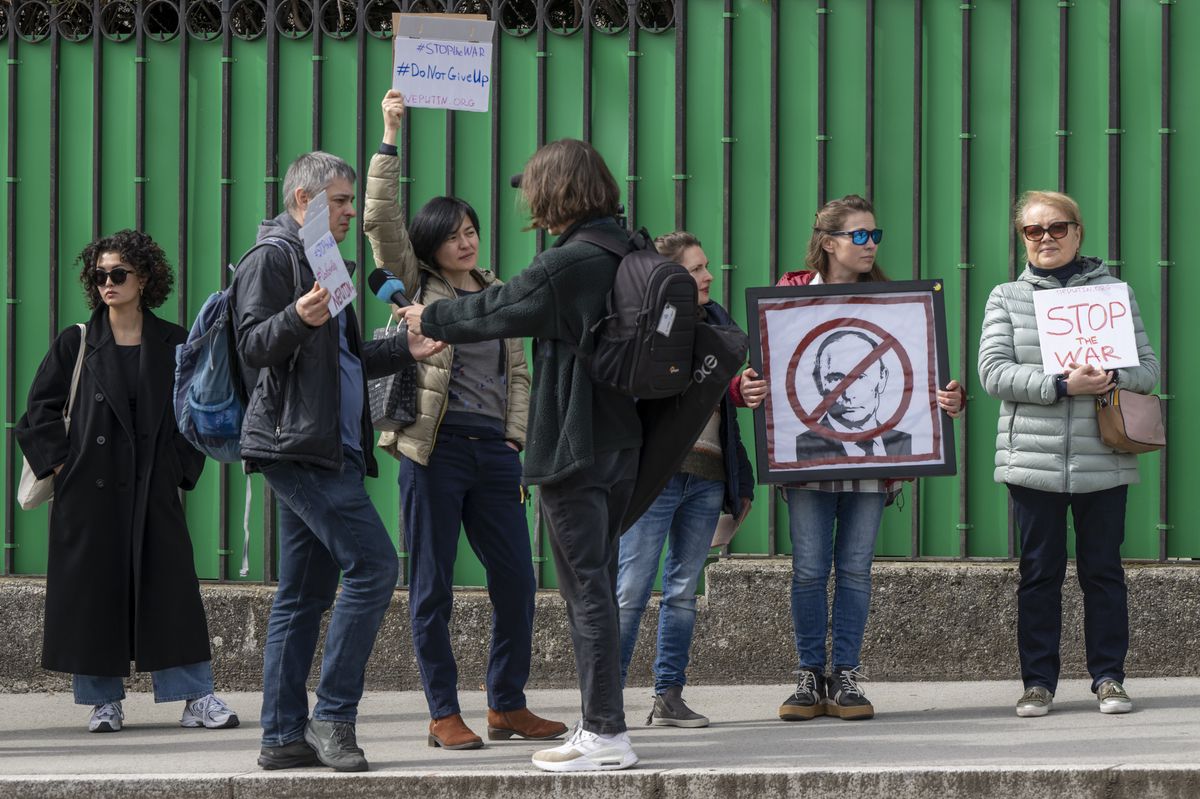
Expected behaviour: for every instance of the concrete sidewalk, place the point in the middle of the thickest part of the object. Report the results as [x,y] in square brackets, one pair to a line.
[959,739]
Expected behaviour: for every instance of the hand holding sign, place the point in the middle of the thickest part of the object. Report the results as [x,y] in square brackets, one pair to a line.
[324,257]
[1088,380]
[1085,325]
[393,115]
[313,307]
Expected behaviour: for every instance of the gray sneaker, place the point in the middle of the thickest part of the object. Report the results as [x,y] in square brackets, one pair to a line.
[335,744]
[671,711]
[106,717]
[1113,698]
[808,700]
[1036,701]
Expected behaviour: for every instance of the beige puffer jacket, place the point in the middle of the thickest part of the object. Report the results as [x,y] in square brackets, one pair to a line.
[384,225]
[1043,442]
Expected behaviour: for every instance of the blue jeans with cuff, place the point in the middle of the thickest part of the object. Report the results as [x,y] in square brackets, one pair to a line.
[178,683]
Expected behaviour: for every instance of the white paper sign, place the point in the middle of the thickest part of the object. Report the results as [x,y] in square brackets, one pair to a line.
[324,257]
[1085,325]
[443,61]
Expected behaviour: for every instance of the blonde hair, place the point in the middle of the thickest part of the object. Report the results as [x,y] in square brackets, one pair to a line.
[1063,203]
[830,219]
[567,181]
[673,244]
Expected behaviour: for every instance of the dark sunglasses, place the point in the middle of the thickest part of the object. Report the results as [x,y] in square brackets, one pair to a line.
[859,236]
[118,275]
[1057,230]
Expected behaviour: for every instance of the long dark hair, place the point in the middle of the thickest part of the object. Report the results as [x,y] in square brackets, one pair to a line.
[435,222]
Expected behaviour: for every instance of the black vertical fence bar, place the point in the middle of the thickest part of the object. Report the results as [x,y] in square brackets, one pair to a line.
[542,55]
[727,156]
[589,32]
[494,190]
[318,59]
[918,132]
[1164,262]
[773,233]
[869,102]
[97,112]
[55,115]
[224,248]
[822,75]
[680,176]
[1115,261]
[964,306]
[271,181]
[360,161]
[451,116]
[139,134]
[10,367]
[1062,96]
[181,262]
[631,176]
[1014,91]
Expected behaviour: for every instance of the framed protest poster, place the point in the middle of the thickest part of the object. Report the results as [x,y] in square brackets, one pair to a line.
[852,372]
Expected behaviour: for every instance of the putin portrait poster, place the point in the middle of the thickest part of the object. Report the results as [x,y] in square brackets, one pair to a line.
[852,372]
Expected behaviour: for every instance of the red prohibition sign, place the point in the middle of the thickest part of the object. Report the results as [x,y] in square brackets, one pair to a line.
[887,342]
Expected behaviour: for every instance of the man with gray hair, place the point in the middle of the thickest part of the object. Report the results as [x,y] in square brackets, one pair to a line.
[308,430]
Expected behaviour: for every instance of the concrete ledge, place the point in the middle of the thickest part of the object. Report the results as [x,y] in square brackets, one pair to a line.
[929,621]
[1118,782]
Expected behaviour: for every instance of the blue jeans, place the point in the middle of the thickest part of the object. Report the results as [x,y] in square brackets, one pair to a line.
[687,512]
[474,484]
[815,548]
[327,525]
[170,685]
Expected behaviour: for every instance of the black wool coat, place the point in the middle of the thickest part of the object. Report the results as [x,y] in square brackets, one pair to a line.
[120,580]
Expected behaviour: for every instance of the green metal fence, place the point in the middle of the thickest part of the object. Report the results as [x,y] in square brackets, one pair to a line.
[731,118]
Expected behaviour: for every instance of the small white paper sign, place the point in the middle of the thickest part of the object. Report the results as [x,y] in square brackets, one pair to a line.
[324,257]
[1085,325]
[443,61]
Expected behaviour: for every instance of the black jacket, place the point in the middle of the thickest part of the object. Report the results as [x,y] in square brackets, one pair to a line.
[290,370]
[120,580]
[739,474]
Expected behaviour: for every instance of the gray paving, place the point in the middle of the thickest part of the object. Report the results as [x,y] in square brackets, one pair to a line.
[927,739]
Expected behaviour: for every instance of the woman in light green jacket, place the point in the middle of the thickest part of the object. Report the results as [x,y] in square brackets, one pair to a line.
[460,466]
[1050,455]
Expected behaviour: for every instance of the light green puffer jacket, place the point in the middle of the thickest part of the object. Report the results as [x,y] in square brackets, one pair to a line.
[383,222]
[1045,443]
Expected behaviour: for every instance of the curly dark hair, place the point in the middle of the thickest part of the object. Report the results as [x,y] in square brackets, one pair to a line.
[139,251]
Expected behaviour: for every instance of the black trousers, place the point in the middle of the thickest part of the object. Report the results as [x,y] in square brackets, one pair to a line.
[583,517]
[1099,517]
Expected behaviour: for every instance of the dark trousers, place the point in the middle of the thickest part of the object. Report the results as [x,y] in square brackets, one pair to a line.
[474,484]
[583,517]
[1099,517]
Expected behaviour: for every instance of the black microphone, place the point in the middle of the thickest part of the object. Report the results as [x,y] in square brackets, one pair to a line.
[388,288]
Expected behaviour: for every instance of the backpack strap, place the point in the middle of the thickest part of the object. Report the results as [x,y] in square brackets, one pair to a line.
[607,243]
[288,250]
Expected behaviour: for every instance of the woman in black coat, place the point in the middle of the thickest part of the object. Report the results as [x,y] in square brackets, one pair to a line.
[120,580]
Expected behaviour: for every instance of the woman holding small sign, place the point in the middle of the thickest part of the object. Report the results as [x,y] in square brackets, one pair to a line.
[1049,450]
[459,461]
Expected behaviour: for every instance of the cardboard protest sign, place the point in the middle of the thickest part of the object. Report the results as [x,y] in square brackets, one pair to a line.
[1085,325]
[324,257]
[443,60]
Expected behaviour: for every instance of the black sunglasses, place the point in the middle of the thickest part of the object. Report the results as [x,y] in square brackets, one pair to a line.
[1057,230]
[118,275]
[859,236]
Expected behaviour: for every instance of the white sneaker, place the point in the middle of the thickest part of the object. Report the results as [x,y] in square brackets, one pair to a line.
[106,717]
[587,751]
[1113,698]
[208,711]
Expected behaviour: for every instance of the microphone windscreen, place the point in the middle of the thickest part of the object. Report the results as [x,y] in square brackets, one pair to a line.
[384,284]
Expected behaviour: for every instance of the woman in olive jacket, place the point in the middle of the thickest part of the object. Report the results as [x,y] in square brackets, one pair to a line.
[460,466]
[120,581]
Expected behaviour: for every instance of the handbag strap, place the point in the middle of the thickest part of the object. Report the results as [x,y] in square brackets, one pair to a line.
[75,375]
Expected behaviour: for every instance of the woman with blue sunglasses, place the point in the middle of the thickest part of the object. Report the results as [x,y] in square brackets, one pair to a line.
[834,523]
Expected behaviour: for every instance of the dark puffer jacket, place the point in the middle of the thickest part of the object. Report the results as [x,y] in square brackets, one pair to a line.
[294,406]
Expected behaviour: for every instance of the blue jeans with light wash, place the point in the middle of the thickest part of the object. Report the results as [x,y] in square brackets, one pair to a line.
[327,526]
[684,515]
[170,685]
[816,547]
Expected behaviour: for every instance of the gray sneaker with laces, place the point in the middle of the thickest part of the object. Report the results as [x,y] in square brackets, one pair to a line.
[1113,698]
[335,744]
[106,717]
[671,711]
[1036,701]
[209,712]
[808,700]
[845,697]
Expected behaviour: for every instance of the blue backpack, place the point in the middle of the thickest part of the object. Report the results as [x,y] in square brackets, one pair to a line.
[209,398]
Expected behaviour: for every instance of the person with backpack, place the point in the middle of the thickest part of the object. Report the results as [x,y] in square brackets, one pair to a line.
[584,437]
[834,523]
[121,582]
[307,428]
[460,467]
[715,476]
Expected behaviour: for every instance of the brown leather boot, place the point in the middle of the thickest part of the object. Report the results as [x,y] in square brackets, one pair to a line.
[523,724]
[451,732]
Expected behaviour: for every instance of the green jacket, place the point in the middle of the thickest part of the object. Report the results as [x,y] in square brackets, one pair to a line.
[556,299]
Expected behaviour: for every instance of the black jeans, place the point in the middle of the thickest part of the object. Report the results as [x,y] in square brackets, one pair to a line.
[1099,517]
[583,517]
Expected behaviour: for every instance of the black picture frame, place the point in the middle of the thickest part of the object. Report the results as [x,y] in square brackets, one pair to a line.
[790,325]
